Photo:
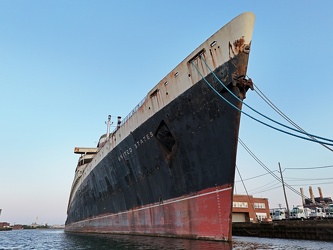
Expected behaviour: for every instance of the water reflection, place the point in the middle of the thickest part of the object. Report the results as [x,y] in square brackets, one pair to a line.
[115,242]
[122,242]
[57,239]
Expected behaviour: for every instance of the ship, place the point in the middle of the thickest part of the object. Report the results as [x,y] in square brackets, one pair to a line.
[167,169]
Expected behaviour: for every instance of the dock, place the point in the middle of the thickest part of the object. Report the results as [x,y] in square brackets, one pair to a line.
[321,230]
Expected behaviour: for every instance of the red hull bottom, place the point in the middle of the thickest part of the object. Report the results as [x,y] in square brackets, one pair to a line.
[205,215]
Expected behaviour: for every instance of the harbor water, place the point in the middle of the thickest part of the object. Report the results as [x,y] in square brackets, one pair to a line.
[58,239]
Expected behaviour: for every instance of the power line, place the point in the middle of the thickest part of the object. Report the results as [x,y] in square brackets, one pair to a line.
[312,138]
[330,166]
[267,190]
[254,177]
[307,179]
[267,186]
[246,192]
[318,183]
[266,168]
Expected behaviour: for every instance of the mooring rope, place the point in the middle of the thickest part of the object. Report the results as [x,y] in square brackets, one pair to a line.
[268,118]
[257,120]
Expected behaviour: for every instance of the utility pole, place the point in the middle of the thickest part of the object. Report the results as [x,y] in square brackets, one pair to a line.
[284,190]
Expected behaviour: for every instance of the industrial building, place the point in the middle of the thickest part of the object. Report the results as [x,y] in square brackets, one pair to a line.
[247,208]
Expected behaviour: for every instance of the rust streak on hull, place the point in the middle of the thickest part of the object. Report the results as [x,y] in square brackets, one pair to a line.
[173,218]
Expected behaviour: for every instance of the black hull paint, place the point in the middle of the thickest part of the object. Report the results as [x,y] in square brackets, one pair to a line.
[188,146]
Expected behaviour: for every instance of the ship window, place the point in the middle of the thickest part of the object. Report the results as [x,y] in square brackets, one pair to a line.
[154,93]
[213,44]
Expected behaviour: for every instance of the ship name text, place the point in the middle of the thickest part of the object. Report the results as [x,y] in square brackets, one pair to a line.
[136,145]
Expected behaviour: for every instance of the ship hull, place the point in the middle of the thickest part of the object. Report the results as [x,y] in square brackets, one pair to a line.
[190,165]
[170,218]
[173,174]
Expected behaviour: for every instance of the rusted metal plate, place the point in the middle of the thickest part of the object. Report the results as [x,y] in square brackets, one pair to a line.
[205,215]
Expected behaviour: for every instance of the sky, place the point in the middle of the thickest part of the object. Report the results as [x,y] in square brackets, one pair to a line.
[66,65]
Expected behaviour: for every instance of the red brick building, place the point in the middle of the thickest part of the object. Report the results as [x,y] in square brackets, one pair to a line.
[249,209]
[17,226]
[4,224]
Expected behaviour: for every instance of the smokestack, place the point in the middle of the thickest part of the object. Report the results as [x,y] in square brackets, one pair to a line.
[108,127]
[311,195]
[320,193]
[119,122]
[302,195]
